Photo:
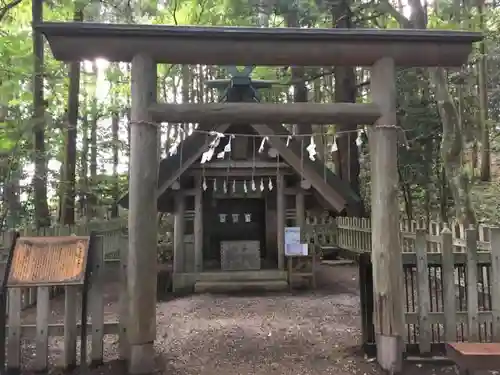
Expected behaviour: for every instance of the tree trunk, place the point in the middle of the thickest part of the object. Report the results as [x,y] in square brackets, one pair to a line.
[84,166]
[12,196]
[452,145]
[483,101]
[92,197]
[68,198]
[406,189]
[443,206]
[115,121]
[42,215]
[474,157]
[201,84]
[264,12]
[187,87]
[319,131]
[298,72]
[347,158]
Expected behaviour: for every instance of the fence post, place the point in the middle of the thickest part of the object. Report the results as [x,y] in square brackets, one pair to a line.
[448,277]
[42,328]
[495,282]
[4,305]
[424,337]
[70,326]
[123,338]
[472,291]
[96,301]
[14,338]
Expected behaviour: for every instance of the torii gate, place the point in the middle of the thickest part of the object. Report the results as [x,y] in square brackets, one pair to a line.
[146,45]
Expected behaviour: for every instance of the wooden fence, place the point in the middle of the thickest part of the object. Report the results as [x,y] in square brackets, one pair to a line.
[108,265]
[450,280]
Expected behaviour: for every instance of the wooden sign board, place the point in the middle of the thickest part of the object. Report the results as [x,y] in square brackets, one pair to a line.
[46,261]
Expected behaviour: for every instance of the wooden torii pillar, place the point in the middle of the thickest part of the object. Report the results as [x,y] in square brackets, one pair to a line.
[386,248]
[142,219]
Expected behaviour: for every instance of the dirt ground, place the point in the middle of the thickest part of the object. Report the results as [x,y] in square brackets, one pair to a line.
[300,333]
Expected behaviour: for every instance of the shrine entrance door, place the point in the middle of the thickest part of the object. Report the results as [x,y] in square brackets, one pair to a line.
[238,224]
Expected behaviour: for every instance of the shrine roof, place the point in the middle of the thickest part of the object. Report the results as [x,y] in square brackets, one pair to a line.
[73,41]
[192,144]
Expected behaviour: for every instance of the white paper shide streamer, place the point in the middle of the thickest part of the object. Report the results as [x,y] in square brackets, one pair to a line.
[227,185]
[359,139]
[209,154]
[334,144]
[311,149]
[262,144]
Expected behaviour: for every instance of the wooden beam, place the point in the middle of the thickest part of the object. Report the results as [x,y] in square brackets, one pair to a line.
[142,219]
[29,331]
[288,191]
[296,190]
[257,46]
[225,164]
[250,194]
[317,181]
[281,220]
[386,248]
[241,172]
[263,113]
[188,162]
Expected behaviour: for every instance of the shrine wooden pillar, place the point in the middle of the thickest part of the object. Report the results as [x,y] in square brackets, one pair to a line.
[280,219]
[300,211]
[179,226]
[142,221]
[386,247]
[198,225]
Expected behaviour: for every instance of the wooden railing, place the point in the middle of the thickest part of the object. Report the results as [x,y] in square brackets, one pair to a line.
[450,279]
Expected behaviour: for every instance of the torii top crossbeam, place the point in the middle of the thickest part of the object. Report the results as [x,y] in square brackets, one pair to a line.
[259,46]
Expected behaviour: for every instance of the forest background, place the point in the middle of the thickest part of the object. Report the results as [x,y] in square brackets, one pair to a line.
[64,133]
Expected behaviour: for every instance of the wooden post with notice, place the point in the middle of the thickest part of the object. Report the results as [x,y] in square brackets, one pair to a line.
[142,255]
[386,248]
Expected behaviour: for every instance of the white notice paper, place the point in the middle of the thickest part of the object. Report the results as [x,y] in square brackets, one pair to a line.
[293,247]
[292,235]
[296,249]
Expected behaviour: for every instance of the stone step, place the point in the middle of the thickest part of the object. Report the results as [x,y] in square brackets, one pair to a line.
[240,286]
[232,276]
